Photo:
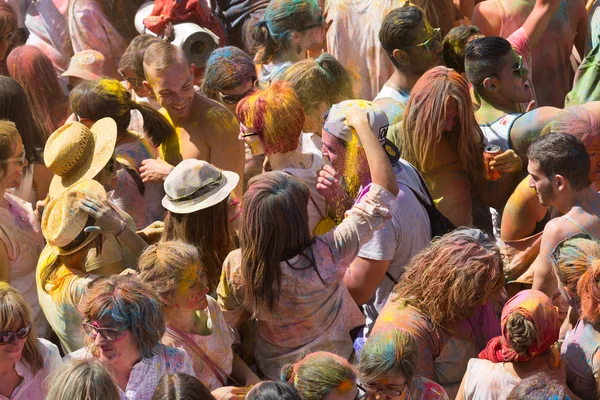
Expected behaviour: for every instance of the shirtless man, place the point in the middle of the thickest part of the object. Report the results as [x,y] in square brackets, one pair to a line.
[206,130]
[497,69]
[566,28]
[559,166]
[524,215]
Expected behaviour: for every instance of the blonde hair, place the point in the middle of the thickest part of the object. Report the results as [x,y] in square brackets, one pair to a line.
[163,266]
[424,118]
[14,315]
[455,274]
[571,259]
[82,380]
[318,374]
[8,138]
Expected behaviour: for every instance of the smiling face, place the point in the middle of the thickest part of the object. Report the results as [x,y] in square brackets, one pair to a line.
[191,291]
[14,167]
[173,88]
[11,352]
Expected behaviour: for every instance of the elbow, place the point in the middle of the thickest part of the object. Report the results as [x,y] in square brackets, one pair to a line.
[360,296]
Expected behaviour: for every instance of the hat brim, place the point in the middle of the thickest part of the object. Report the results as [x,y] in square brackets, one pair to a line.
[189,206]
[82,74]
[58,251]
[104,134]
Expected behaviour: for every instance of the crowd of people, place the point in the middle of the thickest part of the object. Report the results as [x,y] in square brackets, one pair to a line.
[318,200]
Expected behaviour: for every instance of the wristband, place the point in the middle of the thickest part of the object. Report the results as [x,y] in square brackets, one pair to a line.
[122,228]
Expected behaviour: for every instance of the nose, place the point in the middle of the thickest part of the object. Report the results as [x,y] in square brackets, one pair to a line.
[531,183]
[25,162]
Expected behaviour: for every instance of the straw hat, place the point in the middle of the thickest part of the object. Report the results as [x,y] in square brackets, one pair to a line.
[63,220]
[75,152]
[87,65]
[195,185]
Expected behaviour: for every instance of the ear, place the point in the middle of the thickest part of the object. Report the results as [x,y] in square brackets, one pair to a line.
[401,57]
[490,84]
[147,86]
[560,182]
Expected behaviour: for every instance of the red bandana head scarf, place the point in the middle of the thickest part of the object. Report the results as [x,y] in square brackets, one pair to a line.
[537,308]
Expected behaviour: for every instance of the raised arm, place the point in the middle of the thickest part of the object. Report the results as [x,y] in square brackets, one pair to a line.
[539,18]
[380,167]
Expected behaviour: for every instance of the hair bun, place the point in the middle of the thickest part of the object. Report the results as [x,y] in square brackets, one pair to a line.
[287,373]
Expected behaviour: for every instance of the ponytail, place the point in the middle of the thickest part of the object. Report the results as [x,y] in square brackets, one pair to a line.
[588,290]
[156,125]
[267,45]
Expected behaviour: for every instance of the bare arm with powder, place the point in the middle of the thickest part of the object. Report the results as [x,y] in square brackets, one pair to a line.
[522,213]
[527,128]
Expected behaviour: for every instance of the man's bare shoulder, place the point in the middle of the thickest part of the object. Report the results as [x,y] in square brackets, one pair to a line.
[486,16]
[214,117]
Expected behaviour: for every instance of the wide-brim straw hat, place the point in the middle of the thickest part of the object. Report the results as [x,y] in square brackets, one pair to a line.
[75,153]
[194,185]
[63,220]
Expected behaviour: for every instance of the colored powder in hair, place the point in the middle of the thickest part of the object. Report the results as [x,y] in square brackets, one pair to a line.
[111,88]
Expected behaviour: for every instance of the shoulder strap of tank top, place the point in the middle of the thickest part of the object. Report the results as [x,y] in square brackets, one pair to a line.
[578,225]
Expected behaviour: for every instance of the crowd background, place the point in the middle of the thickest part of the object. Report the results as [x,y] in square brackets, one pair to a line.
[299,199]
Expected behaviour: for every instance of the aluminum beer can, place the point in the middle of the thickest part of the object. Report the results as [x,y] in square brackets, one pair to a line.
[489,153]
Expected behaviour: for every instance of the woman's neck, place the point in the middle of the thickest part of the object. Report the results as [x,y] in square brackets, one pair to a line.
[123,367]
[290,159]
[191,321]
[7,368]
[290,55]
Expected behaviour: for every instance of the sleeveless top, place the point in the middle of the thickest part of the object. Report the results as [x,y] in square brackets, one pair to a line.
[387,92]
[498,132]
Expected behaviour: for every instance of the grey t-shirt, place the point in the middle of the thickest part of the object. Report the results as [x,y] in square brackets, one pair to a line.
[406,234]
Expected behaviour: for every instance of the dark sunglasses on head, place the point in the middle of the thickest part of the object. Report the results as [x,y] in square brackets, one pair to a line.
[8,336]
[135,82]
[236,98]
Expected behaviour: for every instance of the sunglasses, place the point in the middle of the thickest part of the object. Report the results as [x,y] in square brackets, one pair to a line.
[236,98]
[110,334]
[8,336]
[19,160]
[8,36]
[519,71]
[135,82]
[430,43]
[368,389]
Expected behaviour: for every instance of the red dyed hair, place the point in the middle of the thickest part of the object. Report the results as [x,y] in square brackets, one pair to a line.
[588,290]
[276,115]
[34,71]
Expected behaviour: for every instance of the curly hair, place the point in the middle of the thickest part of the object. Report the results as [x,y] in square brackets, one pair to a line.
[455,274]
[129,302]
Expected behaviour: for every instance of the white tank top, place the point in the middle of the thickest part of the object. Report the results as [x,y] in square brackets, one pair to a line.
[387,92]
[498,132]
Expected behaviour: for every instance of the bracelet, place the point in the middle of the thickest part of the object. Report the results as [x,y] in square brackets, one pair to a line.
[122,228]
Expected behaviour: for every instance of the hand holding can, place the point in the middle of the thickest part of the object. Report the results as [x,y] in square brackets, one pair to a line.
[489,153]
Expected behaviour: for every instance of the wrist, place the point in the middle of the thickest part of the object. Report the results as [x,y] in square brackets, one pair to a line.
[123,227]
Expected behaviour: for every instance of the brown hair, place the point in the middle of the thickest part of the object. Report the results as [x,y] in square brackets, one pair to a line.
[107,97]
[129,302]
[181,387]
[34,71]
[14,315]
[210,231]
[163,266]
[82,380]
[133,58]
[455,274]
[274,229]
[161,55]
[423,123]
